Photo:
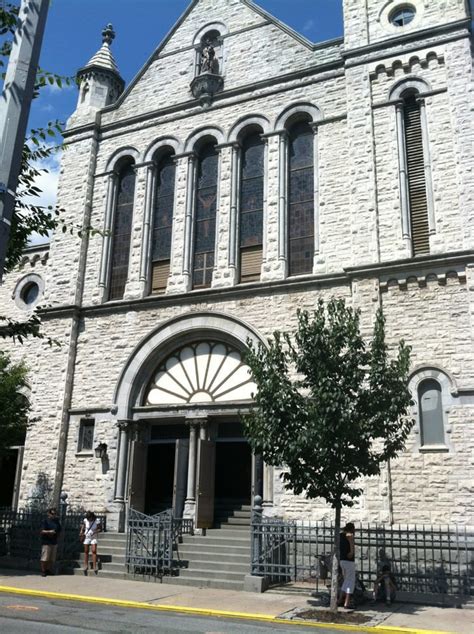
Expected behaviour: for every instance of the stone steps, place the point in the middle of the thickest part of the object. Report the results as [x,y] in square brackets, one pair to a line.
[219,558]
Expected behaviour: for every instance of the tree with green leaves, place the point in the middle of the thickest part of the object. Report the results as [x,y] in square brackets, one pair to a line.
[14,405]
[330,408]
[29,218]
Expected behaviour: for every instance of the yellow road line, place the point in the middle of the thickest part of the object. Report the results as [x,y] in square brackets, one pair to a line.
[377,629]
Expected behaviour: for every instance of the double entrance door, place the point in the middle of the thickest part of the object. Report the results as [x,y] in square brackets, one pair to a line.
[173,470]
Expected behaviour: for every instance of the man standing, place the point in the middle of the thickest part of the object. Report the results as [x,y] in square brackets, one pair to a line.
[347,551]
[49,542]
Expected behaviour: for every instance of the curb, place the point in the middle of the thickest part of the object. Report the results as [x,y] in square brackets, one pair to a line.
[376,629]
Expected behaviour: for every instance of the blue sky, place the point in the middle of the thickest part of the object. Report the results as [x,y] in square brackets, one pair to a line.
[73,35]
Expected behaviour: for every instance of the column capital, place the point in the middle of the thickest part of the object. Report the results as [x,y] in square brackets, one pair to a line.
[196,420]
[125,424]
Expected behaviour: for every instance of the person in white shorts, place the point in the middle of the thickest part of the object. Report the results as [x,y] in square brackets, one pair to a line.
[346,560]
[90,528]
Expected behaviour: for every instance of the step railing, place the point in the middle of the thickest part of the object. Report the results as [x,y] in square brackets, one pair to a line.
[152,542]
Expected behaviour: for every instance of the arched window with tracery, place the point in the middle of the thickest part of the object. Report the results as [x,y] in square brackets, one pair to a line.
[300,199]
[251,207]
[162,222]
[122,231]
[431,413]
[205,216]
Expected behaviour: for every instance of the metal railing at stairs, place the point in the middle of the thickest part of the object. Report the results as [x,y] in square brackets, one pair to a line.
[152,543]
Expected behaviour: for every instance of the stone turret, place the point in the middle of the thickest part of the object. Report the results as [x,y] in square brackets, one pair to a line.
[100,83]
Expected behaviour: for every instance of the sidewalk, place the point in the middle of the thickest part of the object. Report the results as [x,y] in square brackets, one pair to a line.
[270,604]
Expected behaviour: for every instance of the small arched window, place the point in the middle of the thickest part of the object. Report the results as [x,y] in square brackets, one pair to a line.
[162,223]
[122,231]
[431,413]
[301,200]
[251,207]
[205,216]
[416,178]
[209,58]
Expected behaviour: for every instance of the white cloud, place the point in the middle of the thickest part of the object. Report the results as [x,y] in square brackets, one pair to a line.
[47,182]
[308,25]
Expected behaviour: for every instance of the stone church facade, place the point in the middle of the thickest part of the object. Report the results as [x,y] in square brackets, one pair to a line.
[243,174]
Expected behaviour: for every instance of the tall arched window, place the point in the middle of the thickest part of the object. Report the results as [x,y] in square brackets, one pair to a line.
[431,413]
[205,216]
[162,223]
[301,200]
[251,207]
[416,179]
[122,232]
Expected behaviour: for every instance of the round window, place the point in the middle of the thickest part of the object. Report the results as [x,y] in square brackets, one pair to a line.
[30,293]
[401,16]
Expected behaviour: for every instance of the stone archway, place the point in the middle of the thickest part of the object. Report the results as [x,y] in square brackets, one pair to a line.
[193,362]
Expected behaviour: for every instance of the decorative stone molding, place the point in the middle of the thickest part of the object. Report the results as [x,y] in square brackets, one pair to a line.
[408,65]
[402,282]
[205,86]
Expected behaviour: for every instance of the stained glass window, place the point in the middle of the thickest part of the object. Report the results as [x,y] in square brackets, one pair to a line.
[301,200]
[205,217]
[162,222]
[251,208]
[122,232]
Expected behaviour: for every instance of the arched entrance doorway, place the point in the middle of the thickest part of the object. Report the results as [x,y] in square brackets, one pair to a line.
[188,449]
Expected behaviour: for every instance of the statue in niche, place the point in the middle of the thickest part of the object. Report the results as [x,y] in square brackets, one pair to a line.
[209,62]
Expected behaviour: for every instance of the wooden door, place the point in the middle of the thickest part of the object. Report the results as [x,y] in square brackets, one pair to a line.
[180,478]
[206,467]
[138,472]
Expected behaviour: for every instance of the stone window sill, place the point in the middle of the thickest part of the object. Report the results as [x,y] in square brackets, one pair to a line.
[434,449]
[84,454]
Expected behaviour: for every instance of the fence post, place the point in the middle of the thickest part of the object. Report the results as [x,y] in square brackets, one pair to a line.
[253,582]
[62,518]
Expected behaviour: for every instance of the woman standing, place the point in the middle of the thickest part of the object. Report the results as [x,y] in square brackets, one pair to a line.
[90,528]
[346,559]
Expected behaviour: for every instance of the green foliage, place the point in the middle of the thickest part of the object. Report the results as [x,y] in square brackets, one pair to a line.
[329,408]
[14,406]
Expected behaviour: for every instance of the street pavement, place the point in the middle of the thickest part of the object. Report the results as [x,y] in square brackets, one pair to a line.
[24,615]
[168,601]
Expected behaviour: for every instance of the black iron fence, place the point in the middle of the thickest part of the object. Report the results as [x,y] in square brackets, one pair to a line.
[20,533]
[153,543]
[423,559]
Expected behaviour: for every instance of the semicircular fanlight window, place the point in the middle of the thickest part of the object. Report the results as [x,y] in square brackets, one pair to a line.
[205,372]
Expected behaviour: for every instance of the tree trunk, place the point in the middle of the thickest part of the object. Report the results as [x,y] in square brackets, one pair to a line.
[335,561]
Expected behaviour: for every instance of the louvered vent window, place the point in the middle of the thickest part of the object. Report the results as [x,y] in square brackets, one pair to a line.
[162,224]
[416,177]
[251,208]
[301,200]
[205,217]
[122,232]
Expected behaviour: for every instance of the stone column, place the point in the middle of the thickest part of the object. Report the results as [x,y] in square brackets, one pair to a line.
[225,265]
[147,228]
[111,204]
[188,222]
[427,166]
[182,217]
[133,288]
[191,488]
[121,469]
[273,268]
[283,202]
[403,179]
[318,262]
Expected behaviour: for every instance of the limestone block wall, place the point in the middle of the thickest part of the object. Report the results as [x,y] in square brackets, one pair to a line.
[253,49]
[371,26]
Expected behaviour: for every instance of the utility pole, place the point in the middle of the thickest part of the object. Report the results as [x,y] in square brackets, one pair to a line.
[15,102]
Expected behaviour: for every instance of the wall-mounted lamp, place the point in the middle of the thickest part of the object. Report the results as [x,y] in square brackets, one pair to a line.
[101,451]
